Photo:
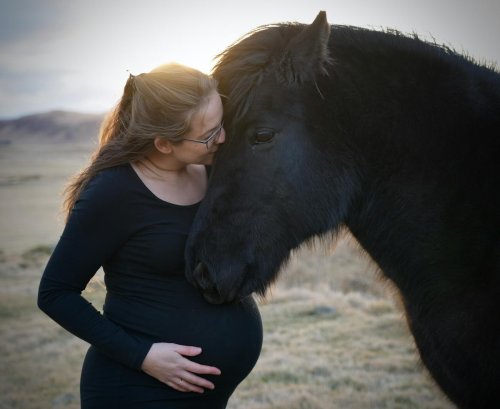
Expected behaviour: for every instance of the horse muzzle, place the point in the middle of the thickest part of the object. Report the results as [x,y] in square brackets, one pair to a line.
[202,280]
[206,282]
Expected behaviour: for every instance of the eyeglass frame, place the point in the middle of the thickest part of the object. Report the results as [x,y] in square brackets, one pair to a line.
[214,134]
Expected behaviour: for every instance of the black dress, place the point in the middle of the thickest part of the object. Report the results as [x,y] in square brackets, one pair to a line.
[139,239]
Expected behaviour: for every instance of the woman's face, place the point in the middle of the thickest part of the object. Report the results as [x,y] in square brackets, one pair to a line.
[205,135]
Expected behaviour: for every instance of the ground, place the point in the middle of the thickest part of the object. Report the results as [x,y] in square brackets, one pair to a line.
[334,334]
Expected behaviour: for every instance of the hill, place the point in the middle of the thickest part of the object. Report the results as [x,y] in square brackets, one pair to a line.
[51,127]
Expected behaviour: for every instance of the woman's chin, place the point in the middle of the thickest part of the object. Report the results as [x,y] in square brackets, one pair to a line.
[208,160]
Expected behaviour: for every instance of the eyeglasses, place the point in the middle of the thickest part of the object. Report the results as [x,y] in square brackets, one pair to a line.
[214,134]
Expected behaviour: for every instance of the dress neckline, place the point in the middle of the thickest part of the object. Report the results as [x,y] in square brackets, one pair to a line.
[151,194]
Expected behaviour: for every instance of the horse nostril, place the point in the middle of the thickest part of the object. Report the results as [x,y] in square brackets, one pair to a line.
[202,277]
[202,280]
[198,270]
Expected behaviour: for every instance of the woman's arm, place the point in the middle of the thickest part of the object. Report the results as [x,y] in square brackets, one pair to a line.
[96,228]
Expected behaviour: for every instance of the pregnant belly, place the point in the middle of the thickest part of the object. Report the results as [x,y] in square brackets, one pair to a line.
[172,310]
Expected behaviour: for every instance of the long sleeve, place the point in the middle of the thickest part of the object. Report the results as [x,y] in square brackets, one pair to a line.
[96,228]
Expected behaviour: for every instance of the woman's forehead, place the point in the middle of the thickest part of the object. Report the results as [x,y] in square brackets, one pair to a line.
[210,113]
[208,116]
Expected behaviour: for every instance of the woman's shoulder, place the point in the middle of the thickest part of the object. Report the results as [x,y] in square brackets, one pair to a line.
[109,183]
[111,176]
[114,173]
[104,207]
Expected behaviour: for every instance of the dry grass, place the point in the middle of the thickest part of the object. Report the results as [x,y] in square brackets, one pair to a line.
[334,335]
[328,344]
[32,178]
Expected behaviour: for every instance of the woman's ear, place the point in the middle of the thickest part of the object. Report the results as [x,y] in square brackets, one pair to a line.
[163,145]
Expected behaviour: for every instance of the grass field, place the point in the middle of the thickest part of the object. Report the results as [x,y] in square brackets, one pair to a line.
[334,334]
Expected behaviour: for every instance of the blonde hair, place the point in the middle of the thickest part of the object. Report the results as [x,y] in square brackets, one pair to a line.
[160,103]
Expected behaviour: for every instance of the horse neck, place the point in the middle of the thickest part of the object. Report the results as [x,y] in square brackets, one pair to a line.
[406,112]
[384,76]
[403,104]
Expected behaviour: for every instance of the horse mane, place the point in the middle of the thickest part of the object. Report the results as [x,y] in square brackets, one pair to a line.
[389,38]
[241,67]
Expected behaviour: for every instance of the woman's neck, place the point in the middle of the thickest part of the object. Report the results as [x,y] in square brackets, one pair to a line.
[161,167]
[150,169]
[183,186]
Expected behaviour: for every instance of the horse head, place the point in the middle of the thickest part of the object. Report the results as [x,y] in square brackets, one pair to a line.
[267,187]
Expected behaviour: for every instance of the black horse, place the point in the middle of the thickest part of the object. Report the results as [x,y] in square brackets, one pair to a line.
[387,135]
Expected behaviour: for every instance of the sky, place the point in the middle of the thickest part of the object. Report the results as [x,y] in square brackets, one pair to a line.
[77,54]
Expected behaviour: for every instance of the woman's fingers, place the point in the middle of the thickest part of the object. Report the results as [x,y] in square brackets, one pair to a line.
[201,369]
[197,381]
[193,369]
[190,383]
[168,363]
[184,385]
[193,366]
[186,350]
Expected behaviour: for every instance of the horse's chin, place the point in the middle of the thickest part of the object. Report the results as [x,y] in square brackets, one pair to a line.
[212,293]
[213,297]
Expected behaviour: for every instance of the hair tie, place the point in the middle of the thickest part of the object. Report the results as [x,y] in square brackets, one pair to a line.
[130,84]
[130,75]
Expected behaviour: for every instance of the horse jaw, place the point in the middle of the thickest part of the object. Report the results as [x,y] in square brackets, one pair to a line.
[206,281]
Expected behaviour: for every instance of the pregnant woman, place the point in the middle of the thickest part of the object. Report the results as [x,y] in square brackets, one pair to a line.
[158,343]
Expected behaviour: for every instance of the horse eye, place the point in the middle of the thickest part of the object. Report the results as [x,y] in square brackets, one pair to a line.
[263,136]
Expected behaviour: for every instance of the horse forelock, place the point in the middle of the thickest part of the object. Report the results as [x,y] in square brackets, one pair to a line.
[243,65]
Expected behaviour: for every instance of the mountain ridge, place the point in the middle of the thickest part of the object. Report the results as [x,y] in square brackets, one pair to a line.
[51,127]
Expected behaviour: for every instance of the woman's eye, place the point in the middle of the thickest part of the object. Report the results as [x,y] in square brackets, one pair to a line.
[263,136]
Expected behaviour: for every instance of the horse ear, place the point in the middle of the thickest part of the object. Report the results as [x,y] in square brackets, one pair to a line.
[307,53]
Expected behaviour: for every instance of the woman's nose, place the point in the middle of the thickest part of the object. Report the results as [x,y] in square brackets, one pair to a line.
[222,136]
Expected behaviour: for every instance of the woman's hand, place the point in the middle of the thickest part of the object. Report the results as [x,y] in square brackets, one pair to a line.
[166,363]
